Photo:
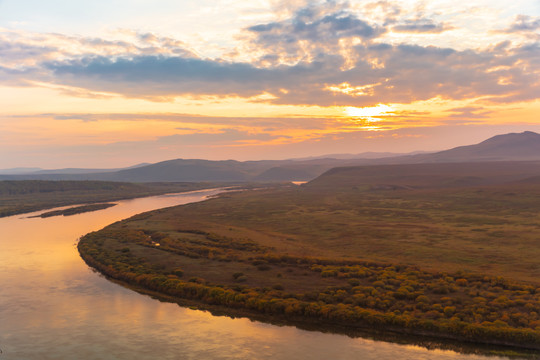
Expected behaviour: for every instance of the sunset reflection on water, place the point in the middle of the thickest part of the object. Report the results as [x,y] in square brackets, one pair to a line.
[52,306]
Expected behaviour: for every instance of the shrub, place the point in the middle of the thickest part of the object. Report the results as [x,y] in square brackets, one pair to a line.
[178,272]
[237,275]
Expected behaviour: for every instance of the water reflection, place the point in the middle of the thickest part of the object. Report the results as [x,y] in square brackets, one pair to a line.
[52,306]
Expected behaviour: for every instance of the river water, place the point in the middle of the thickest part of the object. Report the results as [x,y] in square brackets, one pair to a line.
[52,306]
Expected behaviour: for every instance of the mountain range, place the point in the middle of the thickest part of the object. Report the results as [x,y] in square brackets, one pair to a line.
[513,147]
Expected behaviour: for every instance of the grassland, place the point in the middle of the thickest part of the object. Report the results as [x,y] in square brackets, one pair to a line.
[17,197]
[453,261]
[492,230]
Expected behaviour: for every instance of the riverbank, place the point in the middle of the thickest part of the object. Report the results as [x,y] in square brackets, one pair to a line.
[425,261]
[389,335]
[349,294]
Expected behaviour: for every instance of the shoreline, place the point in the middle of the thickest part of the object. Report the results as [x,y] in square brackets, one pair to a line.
[394,334]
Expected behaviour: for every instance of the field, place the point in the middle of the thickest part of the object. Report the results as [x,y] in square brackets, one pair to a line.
[459,262]
[491,230]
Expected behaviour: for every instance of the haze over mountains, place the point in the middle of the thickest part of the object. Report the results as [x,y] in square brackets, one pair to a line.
[40,171]
[513,147]
[523,146]
[429,175]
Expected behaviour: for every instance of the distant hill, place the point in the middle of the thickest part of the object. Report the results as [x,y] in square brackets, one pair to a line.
[363,156]
[40,171]
[82,170]
[284,173]
[429,175]
[181,170]
[514,146]
[509,147]
[19,170]
[193,170]
[523,146]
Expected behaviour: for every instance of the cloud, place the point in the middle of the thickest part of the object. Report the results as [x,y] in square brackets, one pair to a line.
[22,50]
[406,73]
[19,77]
[305,26]
[18,52]
[395,73]
[310,31]
[298,59]
[197,122]
[223,137]
[389,10]
[151,76]
[469,112]
[421,26]
[524,23]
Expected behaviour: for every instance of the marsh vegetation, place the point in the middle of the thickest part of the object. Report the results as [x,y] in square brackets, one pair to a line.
[454,262]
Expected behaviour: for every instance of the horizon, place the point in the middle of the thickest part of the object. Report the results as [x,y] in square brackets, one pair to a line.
[328,156]
[115,84]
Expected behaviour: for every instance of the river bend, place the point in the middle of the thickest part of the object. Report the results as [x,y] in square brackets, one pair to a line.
[52,306]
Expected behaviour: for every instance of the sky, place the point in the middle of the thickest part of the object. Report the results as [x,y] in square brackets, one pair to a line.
[115,83]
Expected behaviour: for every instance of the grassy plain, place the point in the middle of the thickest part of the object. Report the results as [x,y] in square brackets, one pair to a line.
[492,230]
[420,257]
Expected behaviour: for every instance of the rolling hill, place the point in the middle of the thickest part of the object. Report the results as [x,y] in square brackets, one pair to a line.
[429,175]
[509,147]
[523,146]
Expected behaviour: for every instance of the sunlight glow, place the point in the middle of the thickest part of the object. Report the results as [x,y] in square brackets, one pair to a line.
[176,81]
[371,112]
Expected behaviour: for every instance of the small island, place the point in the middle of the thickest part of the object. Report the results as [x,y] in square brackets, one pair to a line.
[25,196]
[75,210]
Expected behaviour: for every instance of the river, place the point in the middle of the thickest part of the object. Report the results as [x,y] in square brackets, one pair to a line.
[52,306]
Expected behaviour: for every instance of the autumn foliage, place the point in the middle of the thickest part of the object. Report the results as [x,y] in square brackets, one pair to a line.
[459,305]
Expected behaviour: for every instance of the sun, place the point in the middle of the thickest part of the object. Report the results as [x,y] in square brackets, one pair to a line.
[371,112]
